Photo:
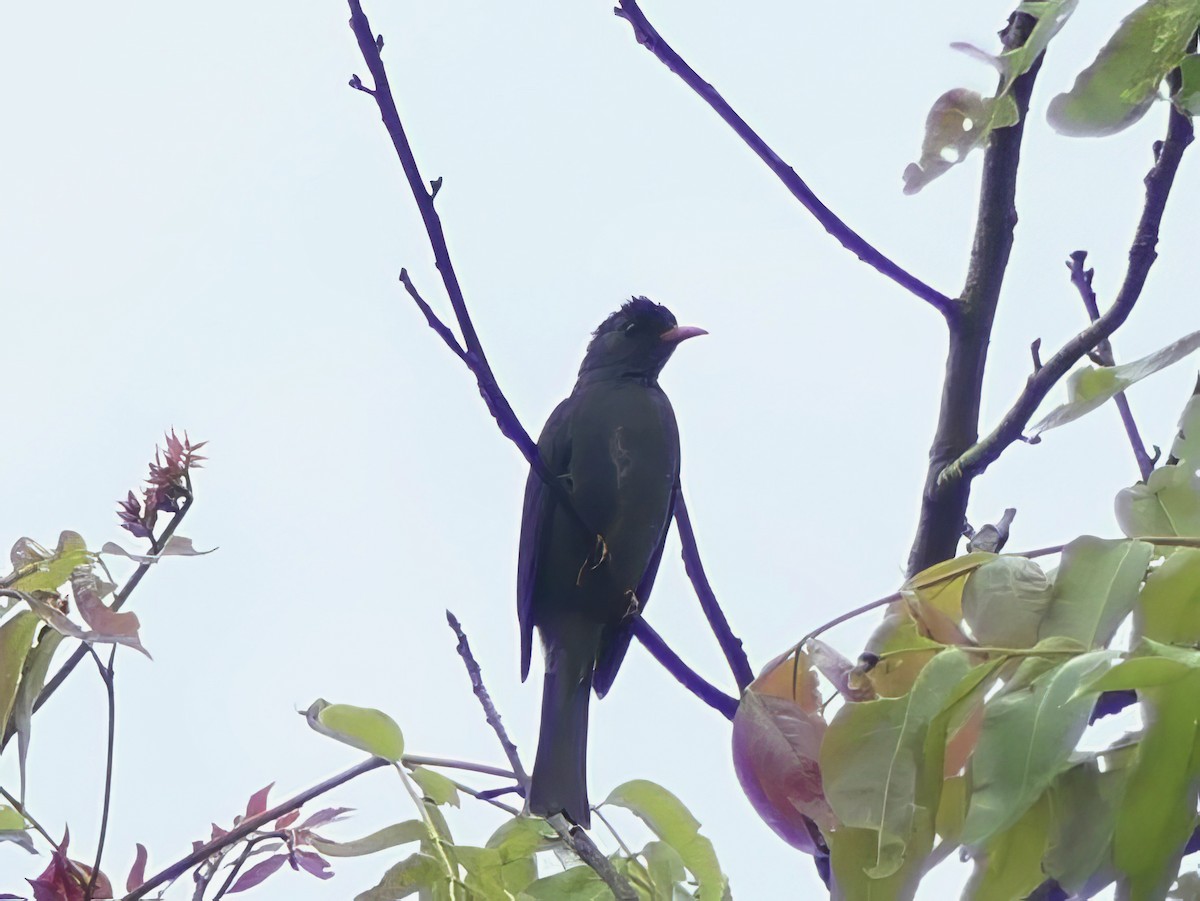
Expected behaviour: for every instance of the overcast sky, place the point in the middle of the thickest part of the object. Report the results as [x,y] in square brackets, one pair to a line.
[203,226]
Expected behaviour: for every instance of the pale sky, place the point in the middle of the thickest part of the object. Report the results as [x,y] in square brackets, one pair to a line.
[203,227]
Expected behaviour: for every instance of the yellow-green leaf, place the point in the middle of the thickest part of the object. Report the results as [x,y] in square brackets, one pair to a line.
[16,637]
[673,823]
[365,728]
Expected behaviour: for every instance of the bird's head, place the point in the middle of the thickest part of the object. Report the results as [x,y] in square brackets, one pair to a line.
[636,340]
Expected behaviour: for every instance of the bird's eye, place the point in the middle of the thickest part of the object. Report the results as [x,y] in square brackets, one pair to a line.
[630,329]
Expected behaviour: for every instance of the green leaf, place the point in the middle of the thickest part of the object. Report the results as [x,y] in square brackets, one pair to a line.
[1157,813]
[576,884]
[1012,863]
[1004,602]
[388,837]
[10,820]
[484,868]
[1026,739]
[665,867]
[435,787]
[852,851]
[873,758]
[1168,503]
[1187,98]
[16,637]
[672,823]
[1169,607]
[1095,588]
[962,120]
[37,569]
[893,676]
[365,728]
[33,678]
[1123,81]
[1083,803]
[410,875]
[1088,388]
[1152,665]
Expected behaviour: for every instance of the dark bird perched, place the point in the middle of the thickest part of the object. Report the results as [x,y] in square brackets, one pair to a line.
[614,447]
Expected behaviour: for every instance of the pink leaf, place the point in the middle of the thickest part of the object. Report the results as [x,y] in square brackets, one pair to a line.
[107,625]
[258,801]
[137,874]
[313,863]
[258,873]
[218,832]
[287,819]
[176,546]
[776,749]
[325,817]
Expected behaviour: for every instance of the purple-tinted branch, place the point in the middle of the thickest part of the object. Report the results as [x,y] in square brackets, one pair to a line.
[688,677]
[432,318]
[731,645]
[485,700]
[1168,154]
[649,38]
[472,356]
[1082,280]
[944,506]
[107,674]
[249,825]
[411,760]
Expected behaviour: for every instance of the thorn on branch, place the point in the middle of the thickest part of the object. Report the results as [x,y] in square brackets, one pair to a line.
[356,83]
[434,186]
[1035,350]
[1156,456]
[379,42]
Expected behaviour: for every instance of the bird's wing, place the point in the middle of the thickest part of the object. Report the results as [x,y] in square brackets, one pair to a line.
[612,651]
[555,447]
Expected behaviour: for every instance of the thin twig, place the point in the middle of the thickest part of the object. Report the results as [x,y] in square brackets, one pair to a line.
[490,796]
[106,673]
[431,317]
[944,506]
[688,677]
[1082,280]
[485,700]
[1142,255]
[731,645]
[20,808]
[649,38]
[252,824]
[418,760]
[471,350]
[592,856]
[237,865]
[119,600]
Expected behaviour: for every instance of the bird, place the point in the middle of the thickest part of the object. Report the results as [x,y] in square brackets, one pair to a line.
[585,571]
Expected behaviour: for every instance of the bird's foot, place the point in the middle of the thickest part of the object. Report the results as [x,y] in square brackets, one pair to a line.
[635,606]
[594,560]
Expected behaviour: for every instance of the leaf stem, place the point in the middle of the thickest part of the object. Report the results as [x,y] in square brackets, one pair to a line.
[106,673]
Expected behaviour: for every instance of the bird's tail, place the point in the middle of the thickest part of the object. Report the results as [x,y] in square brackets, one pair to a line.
[559,781]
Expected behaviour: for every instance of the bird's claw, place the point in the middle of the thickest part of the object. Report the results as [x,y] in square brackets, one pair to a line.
[635,606]
[599,554]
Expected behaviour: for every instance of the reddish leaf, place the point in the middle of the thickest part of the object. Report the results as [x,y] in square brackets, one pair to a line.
[107,625]
[287,819]
[325,817]
[776,748]
[58,881]
[137,873]
[789,676]
[258,801]
[258,873]
[312,862]
[217,832]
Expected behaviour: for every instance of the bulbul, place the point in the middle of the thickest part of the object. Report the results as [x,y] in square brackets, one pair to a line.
[613,447]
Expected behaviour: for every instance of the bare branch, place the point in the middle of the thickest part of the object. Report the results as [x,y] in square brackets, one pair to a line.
[106,673]
[688,677]
[432,318]
[592,856]
[485,700]
[1082,280]
[731,645]
[1142,255]
[649,38]
[944,506]
[418,760]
